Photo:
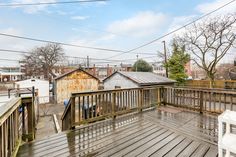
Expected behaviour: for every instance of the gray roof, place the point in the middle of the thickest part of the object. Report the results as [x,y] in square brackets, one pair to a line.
[146,78]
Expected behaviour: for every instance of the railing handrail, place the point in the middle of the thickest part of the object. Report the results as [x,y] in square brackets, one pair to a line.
[104,91]
[8,108]
[215,90]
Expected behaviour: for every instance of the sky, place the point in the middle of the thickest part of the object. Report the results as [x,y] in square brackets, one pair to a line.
[114,24]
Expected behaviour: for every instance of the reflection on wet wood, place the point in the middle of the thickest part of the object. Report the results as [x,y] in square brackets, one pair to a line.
[150,133]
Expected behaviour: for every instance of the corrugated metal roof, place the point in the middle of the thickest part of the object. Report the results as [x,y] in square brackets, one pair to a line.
[146,78]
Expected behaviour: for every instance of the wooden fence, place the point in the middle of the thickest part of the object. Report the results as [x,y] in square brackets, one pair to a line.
[226,84]
[17,122]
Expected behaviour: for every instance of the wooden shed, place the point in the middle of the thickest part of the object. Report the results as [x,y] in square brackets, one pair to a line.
[77,80]
[124,79]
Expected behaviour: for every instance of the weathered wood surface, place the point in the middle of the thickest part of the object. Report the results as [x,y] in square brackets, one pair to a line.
[17,122]
[164,132]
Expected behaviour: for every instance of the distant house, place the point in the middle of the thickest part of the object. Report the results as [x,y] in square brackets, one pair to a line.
[10,74]
[135,79]
[76,80]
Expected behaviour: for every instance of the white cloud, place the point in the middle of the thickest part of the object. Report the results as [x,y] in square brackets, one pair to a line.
[79,17]
[142,24]
[102,2]
[210,6]
[34,8]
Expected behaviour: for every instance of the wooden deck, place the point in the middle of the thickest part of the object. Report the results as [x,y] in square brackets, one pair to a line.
[165,132]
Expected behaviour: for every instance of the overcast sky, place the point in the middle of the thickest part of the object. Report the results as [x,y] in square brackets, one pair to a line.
[115,24]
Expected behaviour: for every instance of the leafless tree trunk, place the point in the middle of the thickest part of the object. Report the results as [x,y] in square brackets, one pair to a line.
[208,41]
[42,60]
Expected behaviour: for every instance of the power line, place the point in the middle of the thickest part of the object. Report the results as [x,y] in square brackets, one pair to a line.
[5,59]
[75,57]
[171,32]
[61,43]
[48,3]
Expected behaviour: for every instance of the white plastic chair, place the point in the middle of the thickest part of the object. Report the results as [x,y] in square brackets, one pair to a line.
[227,140]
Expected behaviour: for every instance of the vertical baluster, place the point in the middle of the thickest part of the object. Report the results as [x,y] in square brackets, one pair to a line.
[79,110]
[201,102]
[220,106]
[205,100]
[123,100]
[113,105]
[83,109]
[231,102]
[210,101]
[225,101]
[128,99]
[107,103]
[214,101]
[93,108]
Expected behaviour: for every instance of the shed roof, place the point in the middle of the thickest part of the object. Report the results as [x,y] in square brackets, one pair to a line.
[70,72]
[144,78]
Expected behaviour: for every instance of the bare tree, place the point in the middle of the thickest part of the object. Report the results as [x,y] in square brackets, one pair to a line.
[42,60]
[209,41]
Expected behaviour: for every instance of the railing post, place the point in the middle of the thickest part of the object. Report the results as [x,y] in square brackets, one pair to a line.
[114,105]
[72,112]
[201,102]
[31,121]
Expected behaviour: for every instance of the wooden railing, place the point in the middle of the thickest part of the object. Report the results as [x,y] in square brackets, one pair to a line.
[202,100]
[87,107]
[17,122]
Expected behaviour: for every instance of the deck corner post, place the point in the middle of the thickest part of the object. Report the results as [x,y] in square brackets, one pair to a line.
[113,105]
[31,120]
[201,102]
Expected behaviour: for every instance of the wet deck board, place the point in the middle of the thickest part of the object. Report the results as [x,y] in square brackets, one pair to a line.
[153,133]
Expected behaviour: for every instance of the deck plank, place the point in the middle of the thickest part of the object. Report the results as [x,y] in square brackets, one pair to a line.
[190,149]
[213,151]
[178,149]
[70,144]
[158,145]
[138,144]
[109,141]
[153,133]
[201,150]
[119,146]
[149,144]
[167,148]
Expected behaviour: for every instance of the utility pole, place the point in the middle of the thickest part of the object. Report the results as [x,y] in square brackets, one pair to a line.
[164,42]
[136,68]
[87,61]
